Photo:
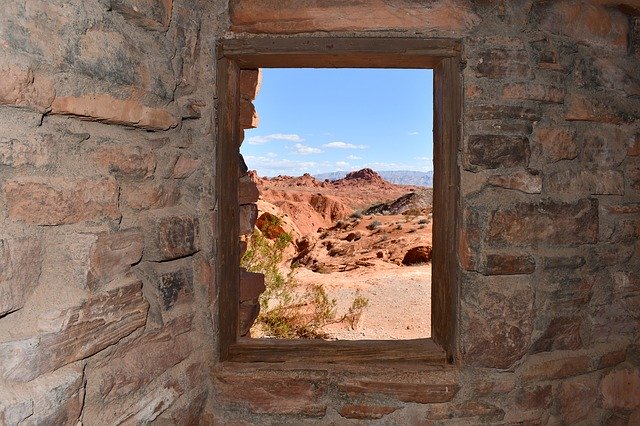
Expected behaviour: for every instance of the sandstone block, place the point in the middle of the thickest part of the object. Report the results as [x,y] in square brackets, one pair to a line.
[147,408]
[250,81]
[585,182]
[577,399]
[171,235]
[20,86]
[634,148]
[553,369]
[493,151]
[534,397]
[591,108]
[185,166]
[500,63]
[482,411]
[247,191]
[562,333]
[547,222]
[589,23]
[150,195]
[273,395]
[502,112]
[534,92]
[611,359]
[248,115]
[248,218]
[105,108]
[509,264]
[422,393]
[248,312]
[169,283]
[113,255]
[124,160]
[143,361]
[593,73]
[296,16]
[27,152]
[85,330]
[555,144]
[620,389]
[20,268]
[520,181]
[365,412]
[189,410]
[61,202]
[604,147]
[632,174]
[251,285]
[563,262]
[571,295]
[497,321]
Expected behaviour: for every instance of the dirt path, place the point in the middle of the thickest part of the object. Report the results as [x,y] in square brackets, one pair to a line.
[399,300]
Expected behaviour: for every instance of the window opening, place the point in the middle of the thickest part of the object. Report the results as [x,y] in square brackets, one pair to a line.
[343,159]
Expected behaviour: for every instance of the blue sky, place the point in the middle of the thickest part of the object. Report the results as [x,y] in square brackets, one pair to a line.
[325,120]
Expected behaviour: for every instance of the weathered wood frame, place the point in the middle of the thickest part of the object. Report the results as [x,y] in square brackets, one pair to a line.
[443,56]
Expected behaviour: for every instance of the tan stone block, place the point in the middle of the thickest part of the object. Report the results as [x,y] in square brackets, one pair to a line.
[84,330]
[61,201]
[248,115]
[171,234]
[103,107]
[113,255]
[579,183]
[150,195]
[273,395]
[133,161]
[19,86]
[620,389]
[250,82]
[20,267]
[365,412]
[554,368]
[295,16]
[422,393]
[590,108]
[521,181]
[132,369]
[555,144]
[185,166]
[534,92]
[577,399]
[549,222]
[592,24]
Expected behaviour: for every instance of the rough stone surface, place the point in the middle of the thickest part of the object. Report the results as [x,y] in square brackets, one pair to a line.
[83,331]
[509,264]
[577,398]
[547,222]
[493,151]
[173,236]
[521,181]
[20,268]
[60,202]
[113,255]
[20,86]
[621,389]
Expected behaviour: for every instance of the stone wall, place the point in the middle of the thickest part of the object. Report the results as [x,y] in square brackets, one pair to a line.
[550,290]
[107,302]
[106,205]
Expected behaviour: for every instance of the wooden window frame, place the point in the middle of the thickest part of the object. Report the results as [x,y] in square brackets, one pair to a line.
[441,55]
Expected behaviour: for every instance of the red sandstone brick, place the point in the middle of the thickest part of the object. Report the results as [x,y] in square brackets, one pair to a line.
[20,86]
[61,202]
[494,151]
[366,412]
[150,195]
[611,359]
[250,81]
[577,399]
[553,369]
[520,181]
[184,167]
[590,108]
[493,111]
[247,191]
[248,115]
[423,393]
[561,333]
[487,412]
[534,92]
[113,255]
[500,63]
[621,389]
[585,182]
[634,149]
[534,397]
[20,267]
[508,264]
[556,144]
[171,235]
[126,160]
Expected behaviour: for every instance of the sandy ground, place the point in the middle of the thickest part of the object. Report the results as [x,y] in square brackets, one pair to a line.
[399,300]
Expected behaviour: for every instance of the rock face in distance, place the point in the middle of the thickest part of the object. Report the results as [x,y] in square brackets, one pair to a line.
[417,255]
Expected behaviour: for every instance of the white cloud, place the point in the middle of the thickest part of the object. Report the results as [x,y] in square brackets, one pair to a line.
[275,166]
[304,149]
[413,133]
[353,157]
[271,155]
[343,145]
[423,158]
[261,140]
[342,164]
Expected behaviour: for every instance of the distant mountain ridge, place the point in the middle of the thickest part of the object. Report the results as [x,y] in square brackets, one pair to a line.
[398,177]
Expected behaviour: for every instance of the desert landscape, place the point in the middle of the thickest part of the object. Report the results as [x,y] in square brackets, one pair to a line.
[364,240]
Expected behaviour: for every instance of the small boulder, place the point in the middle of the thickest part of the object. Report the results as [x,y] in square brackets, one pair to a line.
[417,255]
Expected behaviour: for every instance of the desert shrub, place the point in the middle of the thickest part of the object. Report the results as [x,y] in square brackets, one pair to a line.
[356,215]
[355,311]
[423,221]
[399,227]
[374,225]
[284,312]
